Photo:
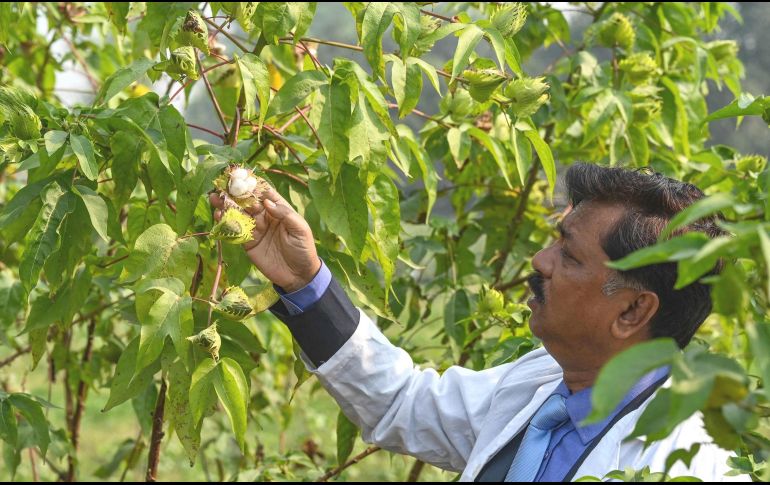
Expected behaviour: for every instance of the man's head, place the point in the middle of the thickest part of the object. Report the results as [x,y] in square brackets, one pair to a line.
[587,312]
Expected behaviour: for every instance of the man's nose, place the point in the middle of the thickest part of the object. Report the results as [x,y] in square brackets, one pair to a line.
[542,262]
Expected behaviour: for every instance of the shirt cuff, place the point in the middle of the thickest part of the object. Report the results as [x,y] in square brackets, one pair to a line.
[300,300]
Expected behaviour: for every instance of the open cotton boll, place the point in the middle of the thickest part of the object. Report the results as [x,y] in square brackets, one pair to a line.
[241,187]
[239,173]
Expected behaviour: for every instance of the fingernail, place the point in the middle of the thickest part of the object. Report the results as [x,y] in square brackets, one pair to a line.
[270,203]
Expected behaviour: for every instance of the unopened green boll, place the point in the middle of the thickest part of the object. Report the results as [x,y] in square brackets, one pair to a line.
[639,68]
[526,95]
[616,31]
[235,304]
[209,340]
[509,19]
[483,83]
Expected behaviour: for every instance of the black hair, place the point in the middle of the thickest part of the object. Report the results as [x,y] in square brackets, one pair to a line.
[651,200]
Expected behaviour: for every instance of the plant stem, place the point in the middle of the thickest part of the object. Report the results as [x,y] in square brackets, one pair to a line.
[453,20]
[290,40]
[220,29]
[287,174]
[422,115]
[210,132]
[187,83]
[336,471]
[9,360]
[414,473]
[157,434]
[214,100]
[81,396]
[81,61]
[217,276]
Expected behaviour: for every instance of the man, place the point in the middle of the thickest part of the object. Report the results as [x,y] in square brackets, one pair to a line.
[521,421]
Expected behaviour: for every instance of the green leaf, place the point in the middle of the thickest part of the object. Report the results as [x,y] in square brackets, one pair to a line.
[764,244]
[123,78]
[277,19]
[179,412]
[624,370]
[368,136]
[636,138]
[681,124]
[459,142]
[409,15]
[458,308]
[169,316]
[127,383]
[256,84]
[335,124]
[494,148]
[704,207]
[745,105]
[759,338]
[33,413]
[202,393]
[377,18]
[9,431]
[84,150]
[304,13]
[689,270]
[118,13]
[194,185]
[126,158]
[498,45]
[43,238]
[296,90]
[54,140]
[386,217]
[97,209]
[175,132]
[675,249]
[429,71]
[429,176]
[546,158]
[406,78]
[232,388]
[158,253]
[342,206]
[466,44]
[347,432]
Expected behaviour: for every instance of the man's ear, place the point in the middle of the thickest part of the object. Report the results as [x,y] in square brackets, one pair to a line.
[636,317]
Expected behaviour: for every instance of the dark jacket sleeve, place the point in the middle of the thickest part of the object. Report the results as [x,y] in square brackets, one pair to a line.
[323,328]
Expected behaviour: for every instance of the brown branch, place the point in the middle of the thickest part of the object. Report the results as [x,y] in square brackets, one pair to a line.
[336,471]
[98,309]
[313,57]
[188,81]
[157,434]
[236,127]
[287,174]
[511,284]
[419,113]
[81,61]
[414,473]
[19,353]
[35,477]
[80,402]
[280,138]
[210,132]
[220,29]
[453,20]
[310,125]
[213,99]
[114,261]
[290,40]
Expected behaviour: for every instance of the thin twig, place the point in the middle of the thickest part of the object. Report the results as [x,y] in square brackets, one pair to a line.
[453,20]
[188,81]
[35,477]
[76,53]
[414,473]
[114,261]
[310,125]
[313,57]
[82,393]
[419,113]
[213,99]
[342,45]
[210,132]
[280,138]
[287,174]
[217,276]
[220,28]
[19,353]
[157,434]
[235,129]
[336,471]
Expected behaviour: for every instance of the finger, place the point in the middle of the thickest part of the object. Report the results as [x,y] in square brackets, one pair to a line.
[285,214]
[216,201]
[273,195]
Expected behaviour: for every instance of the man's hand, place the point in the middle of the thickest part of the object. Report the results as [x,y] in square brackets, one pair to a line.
[283,248]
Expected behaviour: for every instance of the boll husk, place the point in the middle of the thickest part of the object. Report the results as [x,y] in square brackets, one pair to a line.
[526,95]
[722,50]
[751,163]
[235,304]
[616,31]
[509,19]
[241,11]
[639,68]
[181,63]
[193,32]
[491,302]
[209,340]
[241,187]
[483,83]
[646,111]
[16,107]
[458,104]
[235,227]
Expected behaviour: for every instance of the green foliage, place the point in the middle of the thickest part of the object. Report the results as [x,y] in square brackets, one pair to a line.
[428,216]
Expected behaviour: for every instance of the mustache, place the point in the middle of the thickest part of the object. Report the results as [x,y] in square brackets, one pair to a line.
[536,283]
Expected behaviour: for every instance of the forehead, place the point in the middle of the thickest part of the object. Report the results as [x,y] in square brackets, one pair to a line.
[588,223]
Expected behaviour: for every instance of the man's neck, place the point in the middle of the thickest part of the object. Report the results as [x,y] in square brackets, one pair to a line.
[577,380]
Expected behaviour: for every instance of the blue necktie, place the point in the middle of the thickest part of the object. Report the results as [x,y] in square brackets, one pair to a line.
[528,459]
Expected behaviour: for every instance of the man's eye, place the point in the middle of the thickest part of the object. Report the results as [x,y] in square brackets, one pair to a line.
[565,255]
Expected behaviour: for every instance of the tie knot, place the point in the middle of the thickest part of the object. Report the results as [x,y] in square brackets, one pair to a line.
[552,414]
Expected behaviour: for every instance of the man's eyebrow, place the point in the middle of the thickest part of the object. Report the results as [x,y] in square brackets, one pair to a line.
[565,234]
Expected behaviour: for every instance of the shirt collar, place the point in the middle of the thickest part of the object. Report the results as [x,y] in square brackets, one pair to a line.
[579,404]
